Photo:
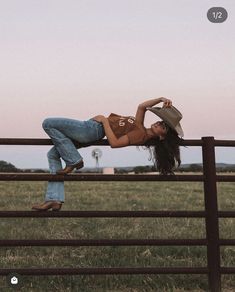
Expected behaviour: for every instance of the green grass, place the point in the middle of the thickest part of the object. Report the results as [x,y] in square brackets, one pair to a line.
[114,196]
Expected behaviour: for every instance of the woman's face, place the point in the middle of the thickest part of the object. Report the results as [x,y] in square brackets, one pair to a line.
[160,129]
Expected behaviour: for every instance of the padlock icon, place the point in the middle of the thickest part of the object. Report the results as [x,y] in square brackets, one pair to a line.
[14,280]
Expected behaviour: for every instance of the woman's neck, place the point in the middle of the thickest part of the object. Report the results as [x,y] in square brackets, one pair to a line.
[150,133]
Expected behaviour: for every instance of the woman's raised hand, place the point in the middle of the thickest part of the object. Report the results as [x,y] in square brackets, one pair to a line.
[166,102]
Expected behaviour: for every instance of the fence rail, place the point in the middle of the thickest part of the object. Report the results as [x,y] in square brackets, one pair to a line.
[108,177]
[211,214]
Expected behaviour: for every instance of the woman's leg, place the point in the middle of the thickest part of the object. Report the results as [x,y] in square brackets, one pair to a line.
[55,190]
[63,130]
[57,129]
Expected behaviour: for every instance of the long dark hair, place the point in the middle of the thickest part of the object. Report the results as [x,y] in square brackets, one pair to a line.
[166,153]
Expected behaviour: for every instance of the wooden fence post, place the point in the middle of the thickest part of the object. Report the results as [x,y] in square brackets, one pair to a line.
[211,208]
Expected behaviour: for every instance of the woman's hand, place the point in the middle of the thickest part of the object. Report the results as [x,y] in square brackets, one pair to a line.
[99,118]
[166,102]
[154,101]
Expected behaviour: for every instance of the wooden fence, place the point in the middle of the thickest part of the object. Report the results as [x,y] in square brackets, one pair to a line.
[211,215]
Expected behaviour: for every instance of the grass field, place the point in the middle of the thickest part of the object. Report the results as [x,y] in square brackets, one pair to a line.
[113,196]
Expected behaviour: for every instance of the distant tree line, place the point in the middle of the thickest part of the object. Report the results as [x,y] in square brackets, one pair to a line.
[8,167]
[199,168]
[190,168]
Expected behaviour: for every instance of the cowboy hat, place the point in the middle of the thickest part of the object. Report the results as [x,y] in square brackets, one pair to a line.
[171,116]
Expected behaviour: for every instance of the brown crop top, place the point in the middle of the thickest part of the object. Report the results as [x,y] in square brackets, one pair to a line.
[126,125]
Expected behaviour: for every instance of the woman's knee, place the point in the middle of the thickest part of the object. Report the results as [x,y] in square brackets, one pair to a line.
[46,123]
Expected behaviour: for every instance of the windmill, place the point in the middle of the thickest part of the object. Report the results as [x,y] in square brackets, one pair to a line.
[96,153]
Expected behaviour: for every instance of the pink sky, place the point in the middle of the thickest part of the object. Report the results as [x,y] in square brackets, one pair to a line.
[78,59]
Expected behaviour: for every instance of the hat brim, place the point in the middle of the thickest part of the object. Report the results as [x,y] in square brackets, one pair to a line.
[159,112]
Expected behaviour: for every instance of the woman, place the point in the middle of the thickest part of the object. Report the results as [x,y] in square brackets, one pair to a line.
[120,132]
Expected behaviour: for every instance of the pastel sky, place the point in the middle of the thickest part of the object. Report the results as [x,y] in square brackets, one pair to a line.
[77,59]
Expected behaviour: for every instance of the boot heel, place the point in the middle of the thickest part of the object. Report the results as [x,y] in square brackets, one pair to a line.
[57,208]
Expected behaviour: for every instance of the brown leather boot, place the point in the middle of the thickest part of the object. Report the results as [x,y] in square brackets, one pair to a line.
[54,205]
[70,168]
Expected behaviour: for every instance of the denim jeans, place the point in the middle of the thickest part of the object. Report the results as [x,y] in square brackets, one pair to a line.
[62,131]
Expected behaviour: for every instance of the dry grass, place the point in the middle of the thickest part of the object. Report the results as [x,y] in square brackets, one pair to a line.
[114,196]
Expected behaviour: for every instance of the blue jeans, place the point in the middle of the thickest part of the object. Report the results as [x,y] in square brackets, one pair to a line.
[62,131]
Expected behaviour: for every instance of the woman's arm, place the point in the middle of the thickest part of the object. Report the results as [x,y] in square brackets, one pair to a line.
[140,113]
[154,101]
[113,141]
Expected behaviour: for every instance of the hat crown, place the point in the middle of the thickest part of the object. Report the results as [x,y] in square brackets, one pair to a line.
[173,114]
[170,115]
